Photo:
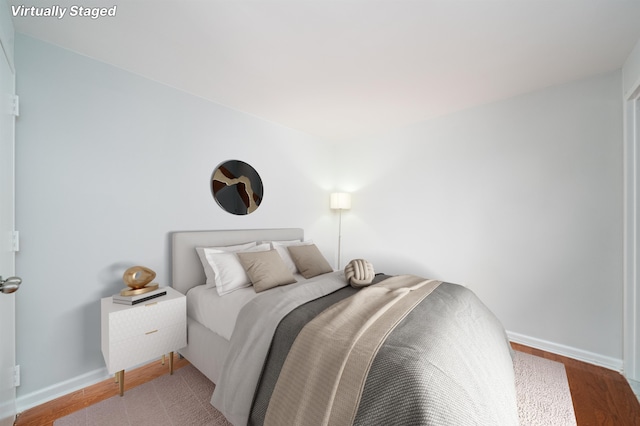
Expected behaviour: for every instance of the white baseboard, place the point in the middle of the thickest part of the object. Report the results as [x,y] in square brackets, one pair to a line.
[568,351]
[24,402]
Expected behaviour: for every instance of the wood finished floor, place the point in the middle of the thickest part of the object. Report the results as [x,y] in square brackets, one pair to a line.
[601,397]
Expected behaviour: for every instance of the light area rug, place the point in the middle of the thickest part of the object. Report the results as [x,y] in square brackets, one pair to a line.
[543,392]
[183,399]
[180,399]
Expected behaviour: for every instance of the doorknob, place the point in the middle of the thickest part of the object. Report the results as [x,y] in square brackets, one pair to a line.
[10,285]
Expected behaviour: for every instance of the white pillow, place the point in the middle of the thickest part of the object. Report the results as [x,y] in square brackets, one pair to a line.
[228,271]
[281,248]
[208,271]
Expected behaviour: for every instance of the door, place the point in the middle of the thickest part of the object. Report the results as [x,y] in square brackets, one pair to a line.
[635,371]
[632,328]
[7,222]
[631,339]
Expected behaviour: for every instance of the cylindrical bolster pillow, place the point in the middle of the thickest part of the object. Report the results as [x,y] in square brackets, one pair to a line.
[359,273]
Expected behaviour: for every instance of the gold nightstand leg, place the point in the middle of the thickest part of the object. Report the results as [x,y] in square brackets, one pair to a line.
[120,380]
[170,362]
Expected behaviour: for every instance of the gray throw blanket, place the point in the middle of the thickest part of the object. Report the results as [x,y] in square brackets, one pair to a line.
[251,338]
[447,363]
[322,379]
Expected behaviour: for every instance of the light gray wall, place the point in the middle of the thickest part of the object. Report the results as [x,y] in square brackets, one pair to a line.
[107,164]
[520,200]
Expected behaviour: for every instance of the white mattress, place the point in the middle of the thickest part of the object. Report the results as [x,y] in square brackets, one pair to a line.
[219,313]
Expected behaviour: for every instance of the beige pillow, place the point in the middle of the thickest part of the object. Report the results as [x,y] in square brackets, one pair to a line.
[265,269]
[309,261]
[359,273]
[281,247]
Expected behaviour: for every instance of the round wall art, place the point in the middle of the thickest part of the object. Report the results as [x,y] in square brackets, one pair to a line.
[236,187]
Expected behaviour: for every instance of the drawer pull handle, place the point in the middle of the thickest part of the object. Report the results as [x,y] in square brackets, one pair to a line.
[151,332]
[151,304]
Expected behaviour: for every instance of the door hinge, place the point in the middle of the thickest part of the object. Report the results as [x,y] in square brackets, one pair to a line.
[15,105]
[15,241]
[16,376]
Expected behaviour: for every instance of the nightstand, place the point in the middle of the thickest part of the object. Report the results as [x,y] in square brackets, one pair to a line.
[134,334]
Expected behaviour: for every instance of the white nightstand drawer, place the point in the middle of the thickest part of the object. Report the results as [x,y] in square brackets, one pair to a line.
[129,323]
[132,335]
[138,349]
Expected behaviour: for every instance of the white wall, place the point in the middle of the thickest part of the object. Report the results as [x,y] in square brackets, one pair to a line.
[108,163]
[520,200]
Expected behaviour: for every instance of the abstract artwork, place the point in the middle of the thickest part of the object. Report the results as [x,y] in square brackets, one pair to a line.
[237,187]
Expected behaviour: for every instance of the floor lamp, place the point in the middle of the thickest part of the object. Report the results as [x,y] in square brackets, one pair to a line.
[340,201]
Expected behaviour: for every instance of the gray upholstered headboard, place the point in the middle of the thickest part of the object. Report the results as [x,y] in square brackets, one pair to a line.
[187,270]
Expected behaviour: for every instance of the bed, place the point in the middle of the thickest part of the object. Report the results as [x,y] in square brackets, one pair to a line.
[444,361]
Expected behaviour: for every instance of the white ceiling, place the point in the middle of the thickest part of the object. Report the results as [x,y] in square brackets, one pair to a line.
[345,69]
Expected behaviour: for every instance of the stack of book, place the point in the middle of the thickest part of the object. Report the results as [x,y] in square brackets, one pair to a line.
[139,298]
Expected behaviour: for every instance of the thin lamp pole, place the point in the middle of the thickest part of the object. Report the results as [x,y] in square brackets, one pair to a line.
[339,235]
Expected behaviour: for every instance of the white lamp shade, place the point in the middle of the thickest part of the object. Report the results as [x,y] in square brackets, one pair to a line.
[341,201]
